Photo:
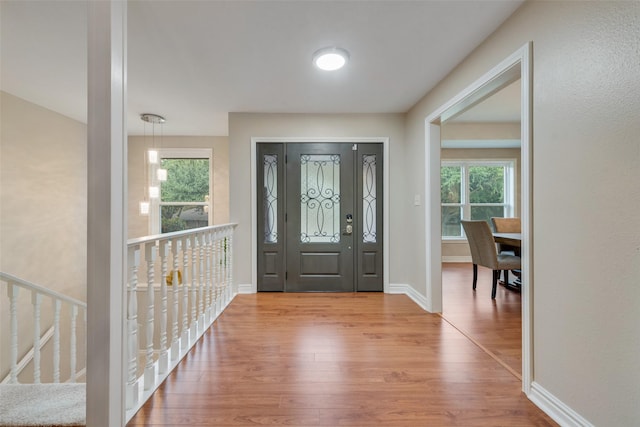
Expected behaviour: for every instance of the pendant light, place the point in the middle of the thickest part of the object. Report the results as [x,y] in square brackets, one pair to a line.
[155,173]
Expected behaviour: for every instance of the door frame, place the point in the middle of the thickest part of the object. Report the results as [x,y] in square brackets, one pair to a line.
[517,65]
[328,140]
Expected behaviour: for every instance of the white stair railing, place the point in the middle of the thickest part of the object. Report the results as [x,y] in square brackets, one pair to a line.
[61,313]
[191,272]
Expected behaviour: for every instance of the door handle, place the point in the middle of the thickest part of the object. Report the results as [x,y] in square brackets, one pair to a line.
[349,228]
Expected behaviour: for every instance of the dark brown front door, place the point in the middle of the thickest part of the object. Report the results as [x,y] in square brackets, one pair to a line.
[320,217]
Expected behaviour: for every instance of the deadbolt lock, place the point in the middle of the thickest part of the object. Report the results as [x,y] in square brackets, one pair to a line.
[349,228]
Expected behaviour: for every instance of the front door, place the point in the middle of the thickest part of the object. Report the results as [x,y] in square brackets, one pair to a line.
[320,217]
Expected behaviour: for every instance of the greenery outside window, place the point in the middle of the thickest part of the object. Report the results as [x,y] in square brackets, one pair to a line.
[185,197]
[477,190]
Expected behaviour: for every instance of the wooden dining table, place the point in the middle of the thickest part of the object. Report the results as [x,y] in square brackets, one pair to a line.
[515,240]
[511,239]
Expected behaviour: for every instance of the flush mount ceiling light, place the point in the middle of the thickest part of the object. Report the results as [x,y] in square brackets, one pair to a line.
[330,58]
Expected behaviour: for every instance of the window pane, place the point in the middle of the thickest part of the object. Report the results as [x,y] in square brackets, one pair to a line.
[486,184]
[450,182]
[270,198]
[451,216]
[486,212]
[187,180]
[320,198]
[178,218]
[369,198]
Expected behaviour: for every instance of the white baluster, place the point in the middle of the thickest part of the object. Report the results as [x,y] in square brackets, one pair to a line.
[36,300]
[215,271]
[230,265]
[163,360]
[175,342]
[56,341]
[150,369]
[13,310]
[73,345]
[218,273]
[194,287]
[220,304]
[225,259]
[207,272]
[133,261]
[201,251]
[225,270]
[211,273]
[185,340]
[84,324]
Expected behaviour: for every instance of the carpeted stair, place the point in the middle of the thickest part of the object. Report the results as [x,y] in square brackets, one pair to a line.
[42,404]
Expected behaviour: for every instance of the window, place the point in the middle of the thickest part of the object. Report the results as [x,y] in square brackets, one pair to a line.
[475,190]
[185,196]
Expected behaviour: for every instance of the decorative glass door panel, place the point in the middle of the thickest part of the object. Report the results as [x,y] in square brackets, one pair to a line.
[320,198]
[369,198]
[270,197]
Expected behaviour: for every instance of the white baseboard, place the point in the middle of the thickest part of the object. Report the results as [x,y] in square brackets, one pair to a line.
[555,408]
[411,293]
[456,259]
[246,288]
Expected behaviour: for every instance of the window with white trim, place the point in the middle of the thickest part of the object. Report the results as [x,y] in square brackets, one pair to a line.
[185,196]
[475,189]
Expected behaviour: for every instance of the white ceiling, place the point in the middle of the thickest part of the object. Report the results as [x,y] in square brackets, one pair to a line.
[195,61]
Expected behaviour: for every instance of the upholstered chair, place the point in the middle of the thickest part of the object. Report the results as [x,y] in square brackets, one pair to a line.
[484,252]
[507,225]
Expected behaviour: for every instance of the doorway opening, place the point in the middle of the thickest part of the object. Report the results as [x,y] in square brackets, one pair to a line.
[516,66]
[480,164]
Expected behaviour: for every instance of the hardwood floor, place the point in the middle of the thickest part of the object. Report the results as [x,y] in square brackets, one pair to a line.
[366,359]
[494,324]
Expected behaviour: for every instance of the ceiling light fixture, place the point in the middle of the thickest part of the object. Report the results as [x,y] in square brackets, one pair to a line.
[330,58]
[155,174]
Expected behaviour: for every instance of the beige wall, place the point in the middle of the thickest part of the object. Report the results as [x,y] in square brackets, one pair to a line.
[243,126]
[586,198]
[43,188]
[479,131]
[139,224]
[43,194]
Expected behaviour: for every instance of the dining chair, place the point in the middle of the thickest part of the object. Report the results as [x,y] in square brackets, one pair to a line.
[484,252]
[507,225]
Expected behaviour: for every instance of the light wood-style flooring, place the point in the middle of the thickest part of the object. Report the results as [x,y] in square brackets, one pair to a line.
[366,359]
[496,324]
